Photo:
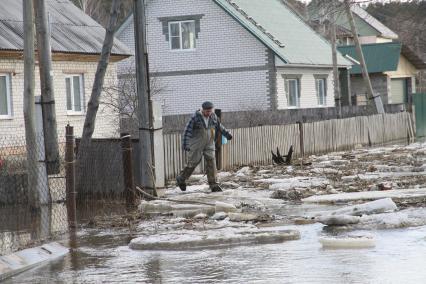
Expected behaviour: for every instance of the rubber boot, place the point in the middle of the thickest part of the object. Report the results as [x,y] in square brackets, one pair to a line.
[215,188]
[211,175]
[183,176]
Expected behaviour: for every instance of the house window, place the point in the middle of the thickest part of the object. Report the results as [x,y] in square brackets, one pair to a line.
[182,35]
[75,94]
[5,98]
[321,91]
[293,92]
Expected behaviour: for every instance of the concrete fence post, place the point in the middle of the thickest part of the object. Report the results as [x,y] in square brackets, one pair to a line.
[70,176]
[159,161]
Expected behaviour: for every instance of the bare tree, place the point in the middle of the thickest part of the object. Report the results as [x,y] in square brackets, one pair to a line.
[120,96]
[93,105]
[332,11]
[82,4]
[408,21]
[99,10]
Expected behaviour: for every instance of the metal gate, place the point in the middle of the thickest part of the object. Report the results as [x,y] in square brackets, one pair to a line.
[419,102]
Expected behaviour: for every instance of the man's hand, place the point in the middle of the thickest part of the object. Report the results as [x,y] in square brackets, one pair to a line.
[229,136]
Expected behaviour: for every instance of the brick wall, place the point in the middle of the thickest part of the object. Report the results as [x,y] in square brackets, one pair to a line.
[222,43]
[106,123]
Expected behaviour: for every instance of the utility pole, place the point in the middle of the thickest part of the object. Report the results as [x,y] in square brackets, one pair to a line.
[46,84]
[370,93]
[29,104]
[337,95]
[144,110]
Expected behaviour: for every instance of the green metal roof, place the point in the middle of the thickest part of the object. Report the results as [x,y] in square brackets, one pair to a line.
[280,29]
[379,57]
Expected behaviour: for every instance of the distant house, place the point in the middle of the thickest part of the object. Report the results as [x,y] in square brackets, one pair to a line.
[241,54]
[76,44]
[392,66]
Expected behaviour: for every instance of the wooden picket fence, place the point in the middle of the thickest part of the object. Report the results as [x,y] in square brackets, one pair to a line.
[252,146]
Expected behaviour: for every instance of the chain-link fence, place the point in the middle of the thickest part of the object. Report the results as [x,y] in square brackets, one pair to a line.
[93,185]
[32,207]
[104,179]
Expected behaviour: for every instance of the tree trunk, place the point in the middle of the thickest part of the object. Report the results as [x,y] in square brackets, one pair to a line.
[93,105]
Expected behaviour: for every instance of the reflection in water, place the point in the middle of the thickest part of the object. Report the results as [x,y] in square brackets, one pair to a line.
[104,256]
[153,270]
[21,227]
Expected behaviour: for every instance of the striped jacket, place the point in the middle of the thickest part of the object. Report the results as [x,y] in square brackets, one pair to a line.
[198,121]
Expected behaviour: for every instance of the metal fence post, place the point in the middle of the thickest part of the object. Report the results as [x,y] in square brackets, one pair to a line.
[218,113]
[129,183]
[70,176]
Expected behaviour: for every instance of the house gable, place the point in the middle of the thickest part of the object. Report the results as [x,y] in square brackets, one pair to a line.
[228,64]
[363,28]
[367,25]
[221,44]
[405,69]
[279,28]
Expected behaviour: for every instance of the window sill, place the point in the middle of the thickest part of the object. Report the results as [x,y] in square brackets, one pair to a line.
[183,50]
[75,113]
[6,117]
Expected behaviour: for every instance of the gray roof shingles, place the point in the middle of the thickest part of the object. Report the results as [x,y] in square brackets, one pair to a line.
[72,30]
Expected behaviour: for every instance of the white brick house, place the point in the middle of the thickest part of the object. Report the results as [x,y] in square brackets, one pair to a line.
[76,44]
[240,54]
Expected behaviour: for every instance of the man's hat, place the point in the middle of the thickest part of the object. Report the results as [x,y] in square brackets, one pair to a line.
[207,105]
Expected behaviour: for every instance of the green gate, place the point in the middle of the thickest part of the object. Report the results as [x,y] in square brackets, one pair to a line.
[419,102]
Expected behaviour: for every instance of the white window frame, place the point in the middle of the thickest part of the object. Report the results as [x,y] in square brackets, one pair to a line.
[287,81]
[180,36]
[324,90]
[82,96]
[9,114]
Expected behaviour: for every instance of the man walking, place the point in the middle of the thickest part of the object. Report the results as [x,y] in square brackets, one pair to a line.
[199,140]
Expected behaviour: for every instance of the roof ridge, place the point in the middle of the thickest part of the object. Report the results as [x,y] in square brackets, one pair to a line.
[373,22]
[257,25]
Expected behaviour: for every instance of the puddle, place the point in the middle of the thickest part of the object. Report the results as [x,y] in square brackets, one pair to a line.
[397,258]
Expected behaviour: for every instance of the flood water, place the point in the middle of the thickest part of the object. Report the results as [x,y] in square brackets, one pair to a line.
[103,257]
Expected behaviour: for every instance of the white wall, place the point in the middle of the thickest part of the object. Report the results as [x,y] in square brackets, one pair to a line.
[222,43]
[308,96]
[106,123]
